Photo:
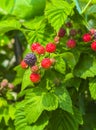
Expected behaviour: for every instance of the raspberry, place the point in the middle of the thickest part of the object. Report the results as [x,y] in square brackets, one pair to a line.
[50,47]
[68,24]
[95,35]
[73,32]
[30,59]
[10,85]
[93,46]
[4,83]
[71,43]
[40,50]
[86,37]
[34,46]
[46,63]
[92,31]
[35,78]
[23,64]
[56,39]
[34,68]
[61,32]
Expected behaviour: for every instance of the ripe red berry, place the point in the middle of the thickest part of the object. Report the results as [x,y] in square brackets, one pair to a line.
[86,37]
[71,43]
[56,39]
[35,78]
[61,32]
[93,46]
[73,32]
[34,68]
[23,64]
[50,47]
[34,46]
[40,50]
[46,63]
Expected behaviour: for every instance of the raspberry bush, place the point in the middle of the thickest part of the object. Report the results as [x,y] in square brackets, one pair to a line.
[48,65]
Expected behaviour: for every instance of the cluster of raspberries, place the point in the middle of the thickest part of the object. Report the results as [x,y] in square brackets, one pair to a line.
[90,37]
[33,62]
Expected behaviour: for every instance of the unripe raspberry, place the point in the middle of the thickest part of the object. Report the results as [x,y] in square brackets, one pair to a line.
[40,50]
[34,69]
[73,32]
[23,64]
[57,40]
[35,78]
[30,59]
[50,47]
[93,46]
[86,37]
[61,32]
[4,83]
[92,31]
[71,43]
[46,63]
[68,24]
[34,46]
[52,61]
[10,85]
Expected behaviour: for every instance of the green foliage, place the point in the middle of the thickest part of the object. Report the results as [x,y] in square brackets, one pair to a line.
[62,99]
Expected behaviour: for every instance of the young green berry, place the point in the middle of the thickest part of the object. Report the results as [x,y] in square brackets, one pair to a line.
[23,64]
[71,43]
[50,47]
[34,46]
[30,59]
[93,46]
[86,37]
[46,63]
[40,50]
[61,32]
[35,78]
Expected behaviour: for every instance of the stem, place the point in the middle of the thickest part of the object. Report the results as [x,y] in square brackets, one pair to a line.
[86,6]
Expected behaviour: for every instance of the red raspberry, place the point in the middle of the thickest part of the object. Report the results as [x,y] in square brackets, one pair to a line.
[71,43]
[73,32]
[46,63]
[34,68]
[23,64]
[40,50]
[34,46]
[35,78]
[93,46]
[61,32]
[86,37]
[50,47]
[56,39]
[68,24]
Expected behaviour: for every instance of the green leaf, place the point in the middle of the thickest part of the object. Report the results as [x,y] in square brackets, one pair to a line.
[9,24]
[70,59]
[6,6]
[92,88]
[19,75]
[57,12]
[50,101]
[21,122]
[26,79]
[60,65]
[34,106]
[64,98]
[86,67]
[62,120]
[28,8]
